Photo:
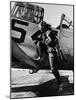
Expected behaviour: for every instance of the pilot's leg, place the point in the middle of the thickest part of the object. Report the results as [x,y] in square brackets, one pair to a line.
[54,68]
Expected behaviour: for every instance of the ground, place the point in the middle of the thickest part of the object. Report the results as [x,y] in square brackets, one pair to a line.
[40,84]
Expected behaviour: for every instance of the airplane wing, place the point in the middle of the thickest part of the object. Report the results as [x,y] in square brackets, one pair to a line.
[66,41]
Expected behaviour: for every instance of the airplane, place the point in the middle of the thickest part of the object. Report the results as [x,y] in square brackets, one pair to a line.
[26,19]
[66,40]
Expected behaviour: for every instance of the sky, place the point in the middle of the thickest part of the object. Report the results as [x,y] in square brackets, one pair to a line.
[53,12]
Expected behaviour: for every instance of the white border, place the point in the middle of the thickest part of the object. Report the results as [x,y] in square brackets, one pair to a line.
[5,49]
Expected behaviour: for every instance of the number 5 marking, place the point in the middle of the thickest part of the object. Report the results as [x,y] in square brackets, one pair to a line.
[23,32]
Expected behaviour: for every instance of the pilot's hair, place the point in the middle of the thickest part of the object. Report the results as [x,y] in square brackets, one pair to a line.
[45,26]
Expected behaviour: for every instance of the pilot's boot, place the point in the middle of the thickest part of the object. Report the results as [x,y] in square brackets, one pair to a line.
[56,74]
[59,83]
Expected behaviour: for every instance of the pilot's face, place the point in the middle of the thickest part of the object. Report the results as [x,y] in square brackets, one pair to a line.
[48,39]
[40,26]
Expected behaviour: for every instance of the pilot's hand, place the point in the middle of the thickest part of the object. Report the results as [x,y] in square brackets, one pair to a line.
[48,40]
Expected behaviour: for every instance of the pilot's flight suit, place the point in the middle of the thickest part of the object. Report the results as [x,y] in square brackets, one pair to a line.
[51,42]
[50,47]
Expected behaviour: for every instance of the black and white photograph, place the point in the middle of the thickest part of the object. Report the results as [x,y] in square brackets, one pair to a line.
[42,49]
